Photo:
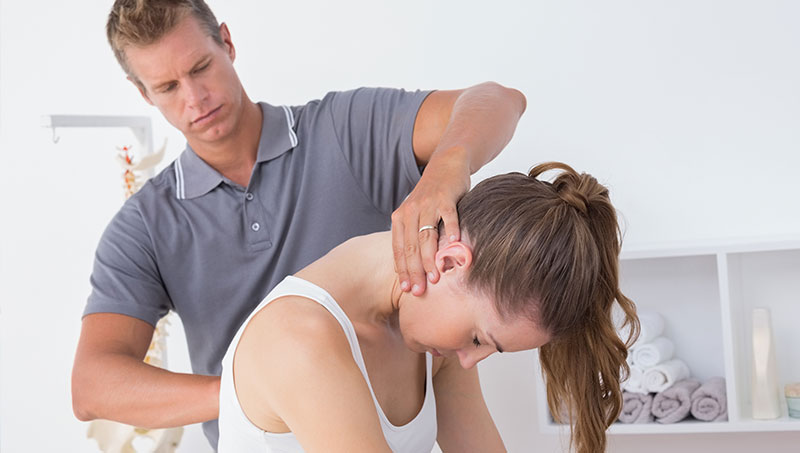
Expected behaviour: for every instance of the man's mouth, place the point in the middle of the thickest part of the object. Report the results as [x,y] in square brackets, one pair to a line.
[206,117]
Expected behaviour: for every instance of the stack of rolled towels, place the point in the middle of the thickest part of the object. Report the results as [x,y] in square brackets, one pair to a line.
[660,387]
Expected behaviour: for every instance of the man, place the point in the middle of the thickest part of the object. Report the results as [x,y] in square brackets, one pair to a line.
[260,192]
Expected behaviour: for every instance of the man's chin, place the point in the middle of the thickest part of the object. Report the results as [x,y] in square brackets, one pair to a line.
[213,134]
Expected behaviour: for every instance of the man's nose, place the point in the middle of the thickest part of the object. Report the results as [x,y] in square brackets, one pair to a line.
[195,93]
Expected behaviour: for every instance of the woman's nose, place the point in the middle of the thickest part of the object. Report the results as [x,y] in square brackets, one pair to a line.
[470,358]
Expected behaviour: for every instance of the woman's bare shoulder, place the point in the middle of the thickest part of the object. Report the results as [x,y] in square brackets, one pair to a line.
[289,325]
[284,345]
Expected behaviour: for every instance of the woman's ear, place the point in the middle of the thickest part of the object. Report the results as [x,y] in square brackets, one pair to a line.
[453,256]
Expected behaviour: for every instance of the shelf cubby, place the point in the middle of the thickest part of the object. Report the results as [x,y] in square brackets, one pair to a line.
[706,293]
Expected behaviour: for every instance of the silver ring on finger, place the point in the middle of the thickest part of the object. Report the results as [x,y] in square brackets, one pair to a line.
[427,227]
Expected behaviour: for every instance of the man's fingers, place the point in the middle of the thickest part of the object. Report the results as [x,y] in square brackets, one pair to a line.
[413,260]
[429,244]
[398,249]
[451,230]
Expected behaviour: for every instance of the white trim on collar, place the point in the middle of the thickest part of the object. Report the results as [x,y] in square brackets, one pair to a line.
[179,185]
[290,123]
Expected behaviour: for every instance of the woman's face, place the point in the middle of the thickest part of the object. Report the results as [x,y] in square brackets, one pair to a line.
[453,321]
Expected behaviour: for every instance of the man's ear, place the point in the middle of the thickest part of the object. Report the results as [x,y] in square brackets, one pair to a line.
[227,42]
[453,256]
[141,89]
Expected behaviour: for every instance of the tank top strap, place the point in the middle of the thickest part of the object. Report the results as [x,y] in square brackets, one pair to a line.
[308,290]
[304,288]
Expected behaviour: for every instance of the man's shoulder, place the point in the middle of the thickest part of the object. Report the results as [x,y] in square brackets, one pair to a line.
[155,195]
[161,186]
[165,179]
[341,96]
[348,108]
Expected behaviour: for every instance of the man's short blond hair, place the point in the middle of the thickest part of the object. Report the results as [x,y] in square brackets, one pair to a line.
[143,22]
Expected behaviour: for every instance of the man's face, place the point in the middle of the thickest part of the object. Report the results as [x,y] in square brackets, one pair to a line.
[190,78]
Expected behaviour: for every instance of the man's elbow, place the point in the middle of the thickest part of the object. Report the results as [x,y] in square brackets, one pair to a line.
[516,98]
[81,414]
[511,95]
[521,100]
[82,402]
[82,410]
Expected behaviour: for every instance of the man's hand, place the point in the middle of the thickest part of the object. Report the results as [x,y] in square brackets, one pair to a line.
[456,133]
[434,198]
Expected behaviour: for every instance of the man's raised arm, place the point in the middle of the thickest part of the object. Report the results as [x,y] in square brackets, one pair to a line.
[455,134]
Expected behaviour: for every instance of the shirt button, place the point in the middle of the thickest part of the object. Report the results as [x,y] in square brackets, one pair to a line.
[255,226]
[249,196]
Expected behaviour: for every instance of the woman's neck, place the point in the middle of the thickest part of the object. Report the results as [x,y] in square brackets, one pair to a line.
[359,274]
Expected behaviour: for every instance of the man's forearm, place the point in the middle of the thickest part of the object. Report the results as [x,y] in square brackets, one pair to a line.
[124,389]
[455,134]
[482,122]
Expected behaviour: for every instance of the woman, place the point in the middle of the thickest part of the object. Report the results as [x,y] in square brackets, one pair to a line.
[338,359]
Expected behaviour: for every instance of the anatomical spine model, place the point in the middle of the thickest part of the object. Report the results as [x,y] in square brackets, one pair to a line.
[113,437]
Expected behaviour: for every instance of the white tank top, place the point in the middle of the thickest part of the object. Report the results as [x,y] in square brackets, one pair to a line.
[238,435]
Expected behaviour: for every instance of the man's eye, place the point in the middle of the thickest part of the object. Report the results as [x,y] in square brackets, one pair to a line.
[169,87]
[201,68]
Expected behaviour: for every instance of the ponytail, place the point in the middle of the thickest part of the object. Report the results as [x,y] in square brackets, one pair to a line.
[550,251]
[582,369]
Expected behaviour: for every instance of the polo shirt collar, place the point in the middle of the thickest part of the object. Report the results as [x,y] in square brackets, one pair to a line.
[277,132]
[194,177]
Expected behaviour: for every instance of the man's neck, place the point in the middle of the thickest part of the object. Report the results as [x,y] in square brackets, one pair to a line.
[235,156]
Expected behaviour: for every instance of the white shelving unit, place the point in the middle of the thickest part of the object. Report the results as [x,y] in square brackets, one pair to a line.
[139,125]
[706,293]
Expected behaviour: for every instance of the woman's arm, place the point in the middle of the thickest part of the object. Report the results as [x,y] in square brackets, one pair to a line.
[465,424]
[294,368]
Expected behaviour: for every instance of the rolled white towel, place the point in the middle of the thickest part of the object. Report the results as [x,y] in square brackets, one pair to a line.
[651,325]
[635,381]
[651,354]
[663,375]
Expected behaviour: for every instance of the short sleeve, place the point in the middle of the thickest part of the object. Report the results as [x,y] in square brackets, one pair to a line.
[375,129]
[125,278]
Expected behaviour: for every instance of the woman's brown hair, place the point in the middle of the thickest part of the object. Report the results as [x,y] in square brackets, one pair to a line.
[550,251]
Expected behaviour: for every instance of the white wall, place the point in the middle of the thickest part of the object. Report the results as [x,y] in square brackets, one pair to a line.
[688,110]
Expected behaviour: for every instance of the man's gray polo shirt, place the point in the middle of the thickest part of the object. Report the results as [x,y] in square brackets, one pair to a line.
[195,242]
